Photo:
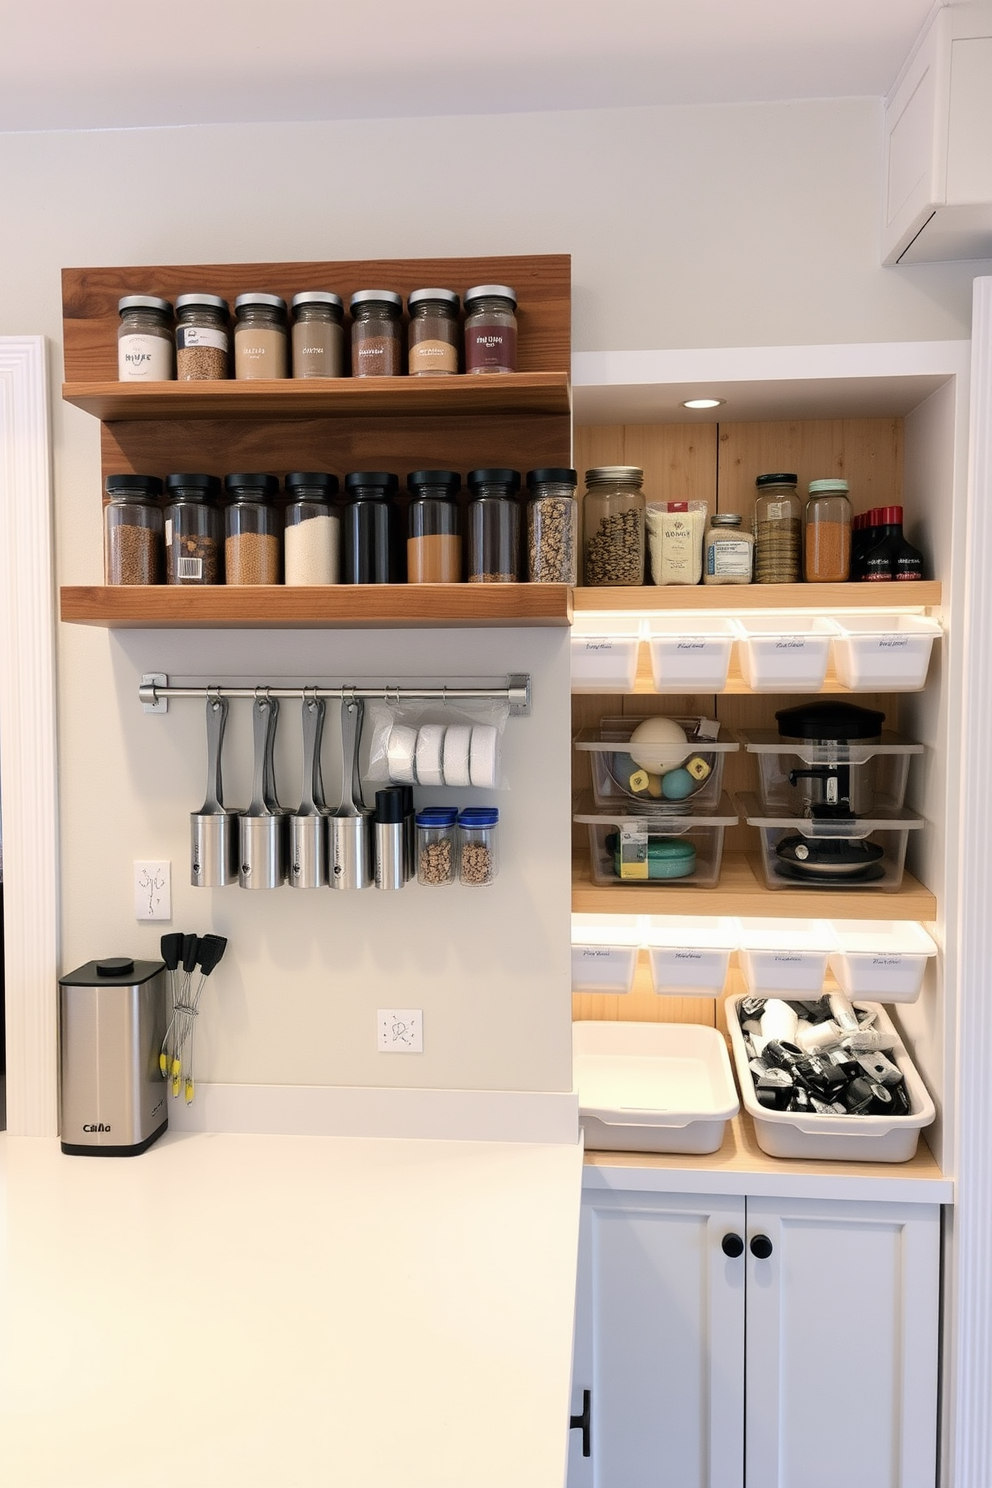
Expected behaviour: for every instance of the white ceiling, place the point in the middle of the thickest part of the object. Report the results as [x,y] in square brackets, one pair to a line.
[84,64]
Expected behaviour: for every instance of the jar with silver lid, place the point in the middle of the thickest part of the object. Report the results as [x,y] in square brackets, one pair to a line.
[318,334]
[376,333]
[132,534]
[202,342]
[552,527]
[613,525]
[728,550]
[144,339]
[433,334]
[261,340]
[490,328]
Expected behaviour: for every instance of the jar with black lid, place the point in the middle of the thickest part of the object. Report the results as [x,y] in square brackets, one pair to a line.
[192,529]
[369,527]
[613,523]
[490,328]
[318,334]
[144,339]
[252,526]
[312,536]
[261,340]
[433,335]
[493,527]
[376,333]
[552,527]
[132,533]
[778,530]
[202,342]
[433,545]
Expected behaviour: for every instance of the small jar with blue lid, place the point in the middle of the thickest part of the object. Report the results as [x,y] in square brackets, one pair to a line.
[477,858]
[436,830]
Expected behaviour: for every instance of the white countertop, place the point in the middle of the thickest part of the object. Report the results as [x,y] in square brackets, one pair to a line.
[281,1311]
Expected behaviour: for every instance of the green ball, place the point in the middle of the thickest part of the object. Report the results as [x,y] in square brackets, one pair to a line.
[676,785]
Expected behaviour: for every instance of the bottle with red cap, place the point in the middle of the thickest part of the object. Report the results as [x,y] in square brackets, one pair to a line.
[891,557]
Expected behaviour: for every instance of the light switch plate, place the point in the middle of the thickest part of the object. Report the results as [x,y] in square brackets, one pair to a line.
[400,1030]
[153,891]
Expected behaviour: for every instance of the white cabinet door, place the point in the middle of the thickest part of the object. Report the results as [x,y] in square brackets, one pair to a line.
[659,1342]
[842,1335]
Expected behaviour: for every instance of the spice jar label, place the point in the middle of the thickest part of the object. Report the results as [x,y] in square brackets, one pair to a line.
[433,356]
[726,558]
[200,336]
[633,850]
[491,346]
[144,359]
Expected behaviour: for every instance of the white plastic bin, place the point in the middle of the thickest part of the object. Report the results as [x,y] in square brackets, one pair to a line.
[780,653]
[604,655]
[690,957]
[881,959]
[690,653]
[604,953]
[784,955]
[889,653]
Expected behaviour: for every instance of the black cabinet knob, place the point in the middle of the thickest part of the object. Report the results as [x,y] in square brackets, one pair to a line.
[732,1245]
[761,1247]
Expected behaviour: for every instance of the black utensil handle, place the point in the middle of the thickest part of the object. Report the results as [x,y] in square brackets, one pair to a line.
[583,1423]
[761,1247]
[732,1246]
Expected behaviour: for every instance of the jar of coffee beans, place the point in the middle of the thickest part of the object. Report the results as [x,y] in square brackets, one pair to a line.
[433,335]
[477,861]
[202,342]
[144,339]
[552,527]
[778,530]
[613,525]
[318,334]
[490,328]
[493,527]
[261,339]
[436,832]
[132,532]
[192,529]
[376,333]
[251,524]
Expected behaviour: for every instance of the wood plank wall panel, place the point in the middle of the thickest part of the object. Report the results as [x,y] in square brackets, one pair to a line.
[865,452]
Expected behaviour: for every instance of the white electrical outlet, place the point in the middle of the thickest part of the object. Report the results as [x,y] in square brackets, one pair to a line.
[153,891]
[400,1030]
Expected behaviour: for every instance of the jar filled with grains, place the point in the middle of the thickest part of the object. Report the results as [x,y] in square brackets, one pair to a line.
[192,529]
[433,545]
[251,523]
[261,340]
[827,537]
[433,335]
[312,536]
[613,523]
[132,533]
[318,334]
[202,342]
[493,527]
[552,527]
[778,530]
[376,333]
[144,339]
[477,861]
[728,550]
[369,519]
[490,328]
[436,830]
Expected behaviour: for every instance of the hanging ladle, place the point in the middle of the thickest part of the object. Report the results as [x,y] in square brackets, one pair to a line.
[308,858]
[351,824]
[263,825]
[214,839]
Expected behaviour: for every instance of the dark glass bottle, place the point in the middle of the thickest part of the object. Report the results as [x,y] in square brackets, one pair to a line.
[369,519]
[892,557]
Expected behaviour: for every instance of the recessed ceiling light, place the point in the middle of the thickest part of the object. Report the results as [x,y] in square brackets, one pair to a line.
[703,402]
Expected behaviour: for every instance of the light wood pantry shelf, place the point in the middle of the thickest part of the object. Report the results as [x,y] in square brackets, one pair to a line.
[741,892]
[650,599]
[343,606]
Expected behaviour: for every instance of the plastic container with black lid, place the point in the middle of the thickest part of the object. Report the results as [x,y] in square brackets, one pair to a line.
[312,535]
[552,526]
[493,526]
[252,548]
[192,529]
[132,534]
[433,545]
[369,519]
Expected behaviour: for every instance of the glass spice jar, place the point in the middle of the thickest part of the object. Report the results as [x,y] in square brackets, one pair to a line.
[192,529]
[477,860]
[376,333]
[552,527]
[369,519]
[613,525]
[312,535]
[778,530]
[261,340]
[432,338]
[202,342]
[251,525]
[132,533]
[318,334]
[827,535]
[728,550]
[490,328]
[144,339]
[434,545]
[493,527]
[436,827]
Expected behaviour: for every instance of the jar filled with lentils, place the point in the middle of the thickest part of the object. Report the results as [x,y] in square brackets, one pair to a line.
[490,328]
[376,333]
[202,342]
[252,526]
[261,338]
[144,339]
[436,832]
[433,336]
[312,536]
[132,531]
[493,527]
[552,527]
[192,529]
[477,861]
[318,334]
[613,525]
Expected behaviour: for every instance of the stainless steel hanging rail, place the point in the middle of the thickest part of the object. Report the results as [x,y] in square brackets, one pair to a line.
[155,692]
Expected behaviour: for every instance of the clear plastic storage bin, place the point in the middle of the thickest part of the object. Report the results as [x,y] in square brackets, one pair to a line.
[788,956]
[604,953]
[605,659]
[618,780]
[680,850]
[690,957]
[884,653]
[881,959]
[805,853]
[690,655]
[795,773]
[784,653]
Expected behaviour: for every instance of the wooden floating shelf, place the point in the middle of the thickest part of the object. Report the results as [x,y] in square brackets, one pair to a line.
[341,397]
[742,891]
[650,599]
[343,607]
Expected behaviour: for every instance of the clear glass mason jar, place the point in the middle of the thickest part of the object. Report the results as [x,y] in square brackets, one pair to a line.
[144,339]
[369,519]
[433,545]
[478,863]
[552,527]
[778,530]
[436,832]
[490,328]
[827,534]
[132,532]
[613,524]
[261,340]
[432,338]
[376,333]
[493,527]
[728,550]
[312,535]
[318,334]
[202,342]
[193,526]
[252,527]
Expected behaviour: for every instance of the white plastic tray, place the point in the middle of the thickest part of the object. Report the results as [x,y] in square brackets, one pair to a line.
[690,655]
[652,1087]
[604,659]
[690,957]
[604,953]
[887,652]
[784,655]
[881,959]
[779,956]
